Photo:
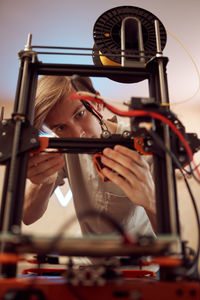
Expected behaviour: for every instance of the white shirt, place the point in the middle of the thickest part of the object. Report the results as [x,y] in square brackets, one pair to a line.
[90,192]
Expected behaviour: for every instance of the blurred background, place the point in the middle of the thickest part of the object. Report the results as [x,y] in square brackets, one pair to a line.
[70,23]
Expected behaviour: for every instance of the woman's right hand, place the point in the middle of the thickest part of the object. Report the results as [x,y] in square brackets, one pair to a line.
[43,167]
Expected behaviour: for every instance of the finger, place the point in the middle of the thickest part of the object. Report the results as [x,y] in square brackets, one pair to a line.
[41,166]
[44,176]
[49,175]
[115,178]
[132,154]
[139,192]
[123,164]
[37,159]
[119,170]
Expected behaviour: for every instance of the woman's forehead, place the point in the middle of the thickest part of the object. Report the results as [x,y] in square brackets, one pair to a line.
[67,102]
[65,108]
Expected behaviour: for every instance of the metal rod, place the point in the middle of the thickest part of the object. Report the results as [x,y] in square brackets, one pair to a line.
[140,49]
[2,113]
[91,54]
[62,48]
[89,70]
[12,178]
[87,145]
[163,92]
[28,44]
[169,165]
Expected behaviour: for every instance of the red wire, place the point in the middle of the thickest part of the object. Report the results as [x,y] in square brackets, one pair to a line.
[140,113]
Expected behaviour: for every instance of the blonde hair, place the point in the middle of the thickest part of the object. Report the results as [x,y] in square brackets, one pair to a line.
[51,90]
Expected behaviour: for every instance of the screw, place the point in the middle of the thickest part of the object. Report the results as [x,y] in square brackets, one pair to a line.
[33,141]
[149,142]
[126,134]
[4,122]
[15,229]
[106,134]
[181,158]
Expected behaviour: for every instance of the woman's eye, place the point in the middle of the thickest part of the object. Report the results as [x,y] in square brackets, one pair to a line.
[80,114]
[60,128]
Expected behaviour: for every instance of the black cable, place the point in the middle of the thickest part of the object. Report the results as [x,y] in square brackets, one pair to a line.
[160,143]
[89,88]
[89,213]
[87,105]
[191,172]
[196,259]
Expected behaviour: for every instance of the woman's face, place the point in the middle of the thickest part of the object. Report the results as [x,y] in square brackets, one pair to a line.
[70,118]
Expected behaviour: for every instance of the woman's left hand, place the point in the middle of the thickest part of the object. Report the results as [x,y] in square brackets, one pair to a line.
[131,172]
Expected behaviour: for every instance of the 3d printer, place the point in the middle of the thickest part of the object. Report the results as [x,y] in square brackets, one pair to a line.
[128,48]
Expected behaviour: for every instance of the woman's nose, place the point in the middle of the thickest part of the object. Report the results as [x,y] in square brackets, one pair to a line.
[78,132]
[83,134]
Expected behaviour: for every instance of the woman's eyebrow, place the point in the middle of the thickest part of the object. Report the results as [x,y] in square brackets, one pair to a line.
[56,125]
[77,109]
[74,113]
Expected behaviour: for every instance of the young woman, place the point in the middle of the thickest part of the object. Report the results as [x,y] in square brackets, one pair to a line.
[129,195]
